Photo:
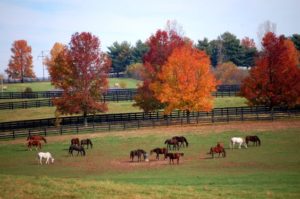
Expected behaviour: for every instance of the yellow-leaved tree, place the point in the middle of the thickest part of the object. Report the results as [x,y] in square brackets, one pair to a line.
[186,81]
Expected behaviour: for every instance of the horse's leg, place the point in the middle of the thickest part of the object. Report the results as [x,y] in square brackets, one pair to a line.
[157,156]
[41,160]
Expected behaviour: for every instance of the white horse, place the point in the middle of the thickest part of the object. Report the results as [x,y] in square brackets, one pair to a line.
[237,140]
[45,155]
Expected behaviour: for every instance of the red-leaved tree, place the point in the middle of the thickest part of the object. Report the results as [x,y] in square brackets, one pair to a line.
[81,71]
[161,45]
[275,80]
[20,64]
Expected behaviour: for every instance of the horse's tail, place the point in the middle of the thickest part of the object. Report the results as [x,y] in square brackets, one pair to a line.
[224,153]
[83,151]
[186,142]
[247,140]
[259,142]
[91,143]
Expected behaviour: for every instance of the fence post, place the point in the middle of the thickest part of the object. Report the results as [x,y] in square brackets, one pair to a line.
[45,131]
[14,136]
[108,126]
[242,114]
[227,115]
[61,130]
[124,125]
[138,124]
[212,116]
[76,128]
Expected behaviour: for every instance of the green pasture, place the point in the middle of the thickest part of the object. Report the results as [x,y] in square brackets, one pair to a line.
[113,107]
[269,171]
[46,86]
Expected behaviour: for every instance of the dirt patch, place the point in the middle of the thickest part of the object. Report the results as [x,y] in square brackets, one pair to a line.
[179,130]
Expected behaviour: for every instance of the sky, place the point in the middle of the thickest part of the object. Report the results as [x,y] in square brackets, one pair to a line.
[44,22]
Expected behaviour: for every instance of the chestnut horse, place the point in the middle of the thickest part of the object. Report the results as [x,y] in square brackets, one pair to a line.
[86,142]
[36,137]
[173,156]
[75,141]
[139,153]
[182,140]
[35,143]
[159,151]
[217,149]
[253,139]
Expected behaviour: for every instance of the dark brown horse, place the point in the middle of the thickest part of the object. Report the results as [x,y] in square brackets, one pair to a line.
[159,151]
[35,143]
[172,142]
[217,149]
[182,140]
[253,138]
[36,137]
[75,141]
[139,153]
[173,156]
[77,148]
[87,142]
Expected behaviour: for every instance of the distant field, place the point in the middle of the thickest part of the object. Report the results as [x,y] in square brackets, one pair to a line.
[269,171]
[46,86]
[114,107]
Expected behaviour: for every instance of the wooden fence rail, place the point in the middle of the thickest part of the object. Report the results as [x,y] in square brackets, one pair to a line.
[109,122]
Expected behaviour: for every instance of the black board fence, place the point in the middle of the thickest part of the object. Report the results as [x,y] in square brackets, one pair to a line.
[110,122]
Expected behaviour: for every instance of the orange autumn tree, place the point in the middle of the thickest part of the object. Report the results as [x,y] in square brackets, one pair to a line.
[186,81]
[20,64]
[275,80]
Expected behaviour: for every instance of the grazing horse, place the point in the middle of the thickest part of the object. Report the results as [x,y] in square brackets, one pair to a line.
[237,140]
[77,148]
[35,143]
[139,153]
[173,156]
[45,155]
[217,149]
[86,142]
[36,137]
[173,142]
[75,141]
[159,151]
[254,139]
[182,140]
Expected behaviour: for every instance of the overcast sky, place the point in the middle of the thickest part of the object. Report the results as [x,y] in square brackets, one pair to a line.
[44,22]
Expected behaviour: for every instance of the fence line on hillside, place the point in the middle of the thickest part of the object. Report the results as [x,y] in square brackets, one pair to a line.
[112,122]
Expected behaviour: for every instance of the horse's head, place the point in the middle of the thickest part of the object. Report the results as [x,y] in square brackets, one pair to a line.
[167,141]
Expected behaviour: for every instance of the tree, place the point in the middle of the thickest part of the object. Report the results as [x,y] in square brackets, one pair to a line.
[264,28]
[296,40]
[135,71]
[55,51]
[20,63]
[186,81]
[81,71]
[161,45]
[228,73]
[139,51]
[249,52]
[231,49]
[274,81]
[121,56]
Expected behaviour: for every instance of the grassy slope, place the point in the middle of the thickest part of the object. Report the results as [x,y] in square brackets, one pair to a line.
[46,86]
[121,107]
[269,171]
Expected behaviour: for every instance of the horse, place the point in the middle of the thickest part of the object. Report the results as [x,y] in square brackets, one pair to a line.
[173,142]
[237,140]
[138,153]
[77,148]
[75,141]
[36,137]
[182,140]
[45,155]
[255,139]
[217,149]
[173,156]
[86,142]
[35,143]
[159,151]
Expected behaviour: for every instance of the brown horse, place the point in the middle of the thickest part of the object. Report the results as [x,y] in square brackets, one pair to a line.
[159,151]
[35,143]
[255,139]
[217,149]
[173,142]
[86,142]
[173,156]
[139,153]
[182,140]
[36,137]
[75,141]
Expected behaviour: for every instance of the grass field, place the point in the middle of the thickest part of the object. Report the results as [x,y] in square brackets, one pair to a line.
[113,107]
[46,86]
[269,171]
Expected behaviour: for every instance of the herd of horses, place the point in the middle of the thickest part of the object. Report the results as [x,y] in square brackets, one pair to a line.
[176,142]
